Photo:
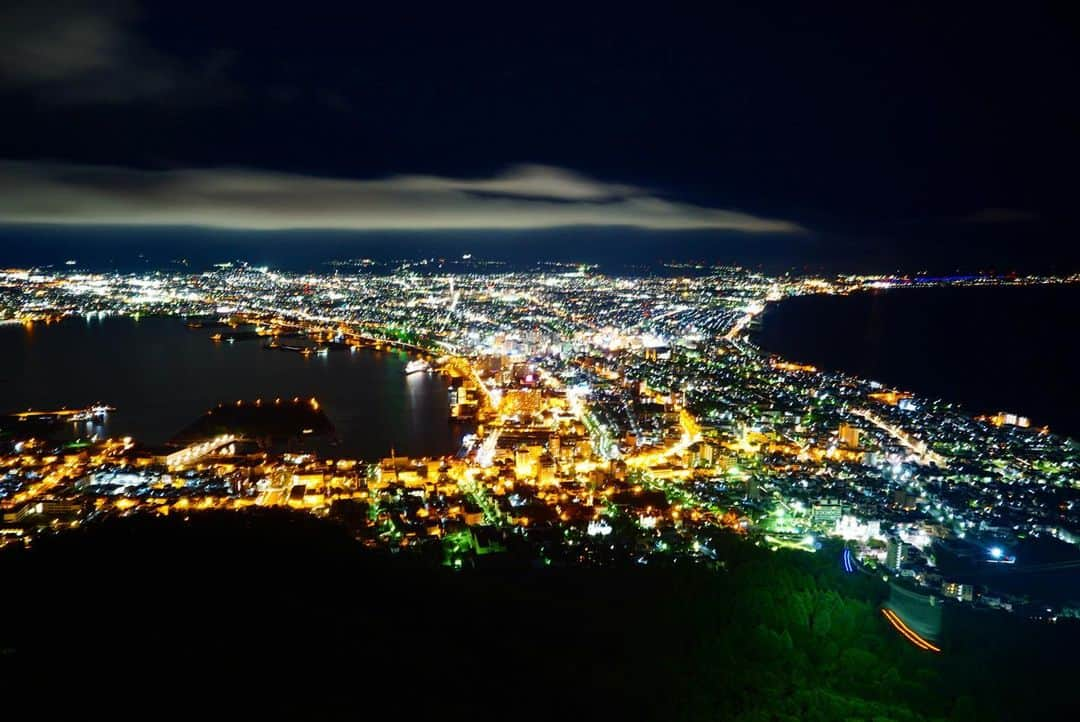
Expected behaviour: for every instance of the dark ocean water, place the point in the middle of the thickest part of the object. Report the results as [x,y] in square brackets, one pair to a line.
[991,349]
[1028,576]
[161,376]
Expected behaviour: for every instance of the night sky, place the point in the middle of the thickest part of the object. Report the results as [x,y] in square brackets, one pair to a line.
[900,136]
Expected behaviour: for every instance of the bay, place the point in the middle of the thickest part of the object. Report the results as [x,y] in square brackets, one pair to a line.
[161,376]
[1006,348]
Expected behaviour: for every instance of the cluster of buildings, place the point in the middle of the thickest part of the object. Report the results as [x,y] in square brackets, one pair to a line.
[618,418]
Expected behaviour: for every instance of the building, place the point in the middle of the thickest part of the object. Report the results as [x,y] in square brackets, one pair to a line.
[1005,419]
[958,591]
[753,488]
[849,436]
[701,453]
[895,554]
[827,514]
[904,499]
[45,510]
[197,451]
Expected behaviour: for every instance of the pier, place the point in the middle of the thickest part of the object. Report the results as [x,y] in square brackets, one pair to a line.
[94,411]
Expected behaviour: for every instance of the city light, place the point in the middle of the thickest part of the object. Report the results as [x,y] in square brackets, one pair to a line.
[635,410]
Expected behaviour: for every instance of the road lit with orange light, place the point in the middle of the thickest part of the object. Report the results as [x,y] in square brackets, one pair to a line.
[908,633]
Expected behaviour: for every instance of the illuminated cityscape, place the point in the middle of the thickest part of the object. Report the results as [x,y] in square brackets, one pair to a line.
[611,418]
[431,361]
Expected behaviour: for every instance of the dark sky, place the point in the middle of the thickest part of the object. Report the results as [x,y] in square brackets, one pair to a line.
[896,131]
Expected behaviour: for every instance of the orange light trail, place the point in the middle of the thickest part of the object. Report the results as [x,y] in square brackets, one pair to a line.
[907,631]
[907,635]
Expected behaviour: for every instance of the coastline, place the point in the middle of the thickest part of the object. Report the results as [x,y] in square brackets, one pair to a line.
[786,338]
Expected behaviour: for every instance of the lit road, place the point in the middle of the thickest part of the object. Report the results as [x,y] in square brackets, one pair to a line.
[743,321]
[486,453]
[924,455]
[907,632]
[691,433]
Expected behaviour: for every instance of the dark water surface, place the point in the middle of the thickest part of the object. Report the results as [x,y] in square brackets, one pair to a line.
[1033,574]
[161,376]
[1009,349]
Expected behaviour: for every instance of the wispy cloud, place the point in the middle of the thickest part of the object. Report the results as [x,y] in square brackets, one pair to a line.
[523,197]
[85,52]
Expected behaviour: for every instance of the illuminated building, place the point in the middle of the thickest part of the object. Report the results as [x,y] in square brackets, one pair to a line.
[48,509]
[895,554]
[958,591]
[849,436]
[827,515]
[1004,419]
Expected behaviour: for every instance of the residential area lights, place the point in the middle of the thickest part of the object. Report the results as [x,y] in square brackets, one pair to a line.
[615,418]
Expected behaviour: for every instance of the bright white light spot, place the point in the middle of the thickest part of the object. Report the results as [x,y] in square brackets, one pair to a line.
[599,528]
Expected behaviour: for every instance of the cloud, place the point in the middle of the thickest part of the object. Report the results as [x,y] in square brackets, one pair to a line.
[79,52]
[523,197]
[1000,215]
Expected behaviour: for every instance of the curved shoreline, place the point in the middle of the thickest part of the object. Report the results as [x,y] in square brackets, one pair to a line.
[975,373]
[171,376]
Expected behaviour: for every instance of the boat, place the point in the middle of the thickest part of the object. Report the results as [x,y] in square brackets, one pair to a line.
[416,365]
[95,412]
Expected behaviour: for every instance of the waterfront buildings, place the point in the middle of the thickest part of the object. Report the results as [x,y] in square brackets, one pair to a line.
[616,418]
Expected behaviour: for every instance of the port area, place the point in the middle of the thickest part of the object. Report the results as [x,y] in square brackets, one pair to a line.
[47,420]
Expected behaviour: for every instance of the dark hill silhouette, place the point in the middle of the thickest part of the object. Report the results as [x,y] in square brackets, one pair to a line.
[278,611]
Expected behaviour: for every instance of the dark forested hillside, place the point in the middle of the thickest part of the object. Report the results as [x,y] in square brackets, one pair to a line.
[278,611]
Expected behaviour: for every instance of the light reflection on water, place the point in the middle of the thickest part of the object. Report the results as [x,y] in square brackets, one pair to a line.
[161,376]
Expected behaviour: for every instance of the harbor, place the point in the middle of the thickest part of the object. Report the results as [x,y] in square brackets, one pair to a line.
[169,373]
